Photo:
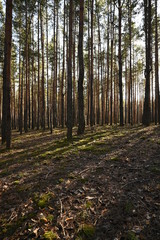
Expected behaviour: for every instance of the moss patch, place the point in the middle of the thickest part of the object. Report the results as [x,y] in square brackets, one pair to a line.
[50,235]
[86,232]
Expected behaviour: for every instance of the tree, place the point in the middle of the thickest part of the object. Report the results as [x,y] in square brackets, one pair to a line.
[120,62]
[42,84]
[91,74]
[147,111]
[157,104]
[6,117]
[69,89]
[81,121]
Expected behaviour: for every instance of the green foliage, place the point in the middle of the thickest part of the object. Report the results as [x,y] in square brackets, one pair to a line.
[50,235]
[16,182]
[88,204]
[129,207]
[43,200]
[115,158]
[131,236]
[86,232]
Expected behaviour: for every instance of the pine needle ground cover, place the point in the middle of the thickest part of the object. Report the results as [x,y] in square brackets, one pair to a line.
[103,185]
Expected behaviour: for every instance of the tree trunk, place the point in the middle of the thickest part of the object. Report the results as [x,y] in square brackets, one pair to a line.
[157,109]
[47,64]
[6,118]
[38,111]
[69,89]
[81,121]
[91,80]
[63,69]
[42,85]
[147,111]
[120,63]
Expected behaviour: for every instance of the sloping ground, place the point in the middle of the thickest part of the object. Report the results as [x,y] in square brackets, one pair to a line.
[105,185]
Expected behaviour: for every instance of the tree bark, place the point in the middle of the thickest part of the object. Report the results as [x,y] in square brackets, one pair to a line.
[147,111]
[69,89]
[6,118]
[81,121]
[120,63]
[91,80]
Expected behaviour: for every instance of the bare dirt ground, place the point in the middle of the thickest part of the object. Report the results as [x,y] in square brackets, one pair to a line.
[104,185]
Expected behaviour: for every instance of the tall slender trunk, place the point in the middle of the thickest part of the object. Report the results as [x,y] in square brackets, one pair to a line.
[81,121]
[47,63]
[91,80]
[89,69]
[130,100]
[69,90]
[20,82]
[26,83]
[157,107]
[108,66]
[120,63]
[6,117]
[147,110]
[38,111]
[112,39]
[33,120]
[63,69]
[42,84]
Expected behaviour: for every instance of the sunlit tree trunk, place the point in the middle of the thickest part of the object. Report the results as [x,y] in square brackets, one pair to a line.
[69,89]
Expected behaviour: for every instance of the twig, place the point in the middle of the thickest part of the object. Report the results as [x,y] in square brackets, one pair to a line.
[48,174]
[61,208]
[61,216]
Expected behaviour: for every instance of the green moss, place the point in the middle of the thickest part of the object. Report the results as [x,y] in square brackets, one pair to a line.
[115,158]
[17,182]
[71,176]
[129,207]
[9,228]
[131,236]
[88,204]
[155,169]
[61,180]
[43,200]
[143,137]
[86,232]
[50,217]
[50,235]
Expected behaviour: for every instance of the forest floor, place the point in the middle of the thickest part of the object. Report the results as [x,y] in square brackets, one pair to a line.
[104,185]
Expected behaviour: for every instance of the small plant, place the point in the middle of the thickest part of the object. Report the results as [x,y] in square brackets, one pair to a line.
[86,232]
[50,235]
[131,236]
[16,182]
[115,158]
[129,207]
[88,204]
[61,180]
[42,202]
